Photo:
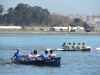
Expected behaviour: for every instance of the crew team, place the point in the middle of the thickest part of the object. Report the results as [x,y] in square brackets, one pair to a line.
[74,46]
[33,56]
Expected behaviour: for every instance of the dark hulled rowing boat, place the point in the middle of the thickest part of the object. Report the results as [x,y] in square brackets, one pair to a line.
[48,62]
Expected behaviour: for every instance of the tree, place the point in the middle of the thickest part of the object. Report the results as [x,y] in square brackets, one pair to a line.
[78,22]
[21,15]
[86,26]
[9,18]
[92,28]
[1,11]
[25,15]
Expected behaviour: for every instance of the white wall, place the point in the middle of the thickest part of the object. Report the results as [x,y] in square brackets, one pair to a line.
[68,28]
[10,27]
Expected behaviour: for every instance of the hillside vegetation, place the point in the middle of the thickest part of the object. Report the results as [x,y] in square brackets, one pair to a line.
[25,15]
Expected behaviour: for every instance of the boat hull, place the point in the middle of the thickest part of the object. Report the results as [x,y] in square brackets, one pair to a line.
[88,49]
[47,62]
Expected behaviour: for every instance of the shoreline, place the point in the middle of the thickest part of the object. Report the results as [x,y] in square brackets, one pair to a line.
[42,32]
[28,31]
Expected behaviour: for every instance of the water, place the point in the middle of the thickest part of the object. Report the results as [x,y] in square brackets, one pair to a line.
[72,63]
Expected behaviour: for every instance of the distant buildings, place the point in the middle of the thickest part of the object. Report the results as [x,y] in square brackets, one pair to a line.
[63,29]
[69,29]
[10,27]
[59,29]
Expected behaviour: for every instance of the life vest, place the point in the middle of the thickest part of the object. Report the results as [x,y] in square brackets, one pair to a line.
[79,47]
[52,56]
[69,47]
[74,46]
[84,47]
[30,59]
[46,56]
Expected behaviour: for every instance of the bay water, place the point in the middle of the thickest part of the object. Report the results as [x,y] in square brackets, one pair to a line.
[72,63]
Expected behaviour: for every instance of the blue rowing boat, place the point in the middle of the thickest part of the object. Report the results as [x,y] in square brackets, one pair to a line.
[48,62]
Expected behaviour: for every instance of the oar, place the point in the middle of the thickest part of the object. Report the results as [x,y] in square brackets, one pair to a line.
[97,48]
[59,49]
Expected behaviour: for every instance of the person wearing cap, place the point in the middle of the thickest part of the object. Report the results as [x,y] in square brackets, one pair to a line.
[17,56]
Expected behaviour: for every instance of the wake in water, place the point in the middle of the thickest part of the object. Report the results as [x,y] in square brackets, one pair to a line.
[4,62]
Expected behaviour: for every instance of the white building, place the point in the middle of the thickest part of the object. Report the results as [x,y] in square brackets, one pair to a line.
[68,29]
[10,27]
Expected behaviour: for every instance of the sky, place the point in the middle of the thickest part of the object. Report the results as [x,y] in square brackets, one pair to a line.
[87,7]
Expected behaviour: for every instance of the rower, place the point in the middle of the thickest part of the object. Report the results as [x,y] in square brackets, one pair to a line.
[17,56]
[36,55]
[45,56]
[64,46]
[52,54]
[74,46]
[79,46]
[69,46]
[84,46]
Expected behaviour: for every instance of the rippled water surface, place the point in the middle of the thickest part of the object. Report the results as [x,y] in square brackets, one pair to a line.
[72,63]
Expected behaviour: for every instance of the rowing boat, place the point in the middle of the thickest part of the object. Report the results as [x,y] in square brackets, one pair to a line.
[87,49]
[48,62]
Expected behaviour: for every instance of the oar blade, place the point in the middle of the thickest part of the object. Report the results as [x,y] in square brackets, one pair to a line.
[97,48]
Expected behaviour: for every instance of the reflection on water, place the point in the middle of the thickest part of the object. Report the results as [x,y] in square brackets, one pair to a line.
[79,63]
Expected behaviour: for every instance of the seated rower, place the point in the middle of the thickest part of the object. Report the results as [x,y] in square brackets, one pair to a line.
[31,57]
[64,46]
[69,47]
[79,46]
[45,56]
[17,56]
[74,46]
[28,57]
[84,46]
[52,54]
[36,55]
